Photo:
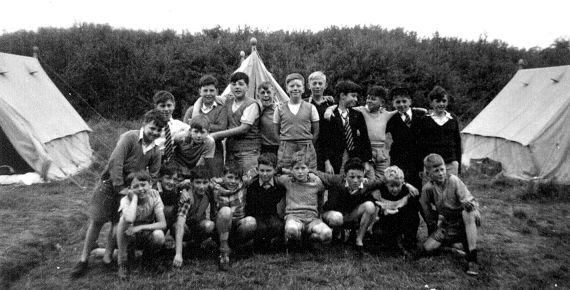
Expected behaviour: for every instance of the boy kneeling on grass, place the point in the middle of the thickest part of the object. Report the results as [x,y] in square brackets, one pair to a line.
[399,219]
[457,215]
[303,199]
[264,196]
[231,221]
[193,222]
[135,151]
[142,221]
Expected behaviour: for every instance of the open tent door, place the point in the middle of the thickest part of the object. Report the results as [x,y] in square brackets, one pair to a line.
[10,157]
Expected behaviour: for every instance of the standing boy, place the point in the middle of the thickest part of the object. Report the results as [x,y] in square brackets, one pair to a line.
[297,123]
[263,197]
[457,213]
[405,151]
[347,132]
[440,131]
[269,138]
[164,102]
[376,118]
[197,147]
[244,141]
[142,220]
[217,115]
[135,151]
[192,221]
[317,84]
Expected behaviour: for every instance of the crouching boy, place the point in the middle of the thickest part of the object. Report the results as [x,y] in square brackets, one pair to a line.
[169,194]
[135,151]
[192,218]
[457,215]
[142,220]
[264,195]
[303,198]
[399,221]
[230,218]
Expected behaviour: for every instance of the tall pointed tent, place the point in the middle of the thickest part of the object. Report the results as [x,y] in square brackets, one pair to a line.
[255,69]
[40,130]
[526,127]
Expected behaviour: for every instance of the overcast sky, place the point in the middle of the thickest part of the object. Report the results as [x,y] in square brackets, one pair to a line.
[523,24]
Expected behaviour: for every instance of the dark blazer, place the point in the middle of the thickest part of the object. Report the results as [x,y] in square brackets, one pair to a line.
[335,143]
[405,151]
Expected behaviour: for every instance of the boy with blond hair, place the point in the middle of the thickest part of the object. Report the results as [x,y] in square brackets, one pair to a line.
[398,217]
[317,83]
[297,123]
[457,212]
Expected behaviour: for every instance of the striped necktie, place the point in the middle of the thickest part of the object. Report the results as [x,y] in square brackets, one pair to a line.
[347,132]
[168,144]
[407,120]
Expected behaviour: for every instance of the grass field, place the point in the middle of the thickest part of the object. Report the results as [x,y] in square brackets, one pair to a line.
[524,244]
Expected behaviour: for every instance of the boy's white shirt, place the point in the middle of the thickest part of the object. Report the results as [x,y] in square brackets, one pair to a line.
[145,148]
[408,112]
[206,109]
[441,120]
[178,130]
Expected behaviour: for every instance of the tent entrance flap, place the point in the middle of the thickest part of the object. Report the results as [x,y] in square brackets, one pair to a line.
[10,157]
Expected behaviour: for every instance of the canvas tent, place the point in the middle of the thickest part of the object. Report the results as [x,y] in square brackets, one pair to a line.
[526,127]
[255,69]
[40,130]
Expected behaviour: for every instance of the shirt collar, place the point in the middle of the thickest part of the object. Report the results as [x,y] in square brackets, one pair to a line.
[446,115]
[148,147]
[271,182]
[205,108]
[361,186]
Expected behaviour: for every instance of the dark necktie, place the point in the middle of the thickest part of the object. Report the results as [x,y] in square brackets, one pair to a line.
[347,132]
[168,144]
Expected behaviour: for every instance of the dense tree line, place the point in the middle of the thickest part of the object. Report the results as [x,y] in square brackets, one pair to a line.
[117,70]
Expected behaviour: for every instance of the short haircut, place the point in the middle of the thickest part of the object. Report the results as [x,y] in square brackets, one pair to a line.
[162,97]
[200,123]
[400,92]
[433,160]
[437,93]
[207,80]
[299,157]
[393,174]
[141,175]
[155,116]
[239,76]
[232,168]
[378,91]
[168,169]
[346,87]
[268,159]
[354,163]
[200,172]
[294,76]
[266,85]
[317,75]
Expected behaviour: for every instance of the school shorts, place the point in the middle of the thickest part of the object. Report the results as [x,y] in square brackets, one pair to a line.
[268,226]
[451,230]
[308,223]
[246,159]
[288,148]
[194,230]
[105,203]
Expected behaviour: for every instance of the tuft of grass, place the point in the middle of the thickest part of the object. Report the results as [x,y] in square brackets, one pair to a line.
[545,191]
[520,214]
